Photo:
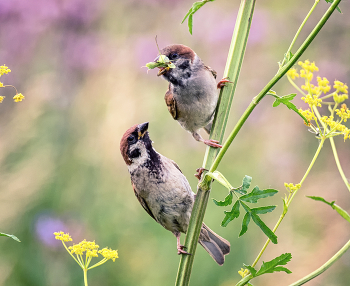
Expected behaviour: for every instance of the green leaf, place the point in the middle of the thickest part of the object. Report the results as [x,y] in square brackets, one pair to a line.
[264,228]
[251,269]
[263,210]
[286,101]
[245,223]
[273,265]
[230,216]
[195,7]
[10,235]
[245,185]
[220,178]
[334,206]
[226,202]
[256,194]
[331,1]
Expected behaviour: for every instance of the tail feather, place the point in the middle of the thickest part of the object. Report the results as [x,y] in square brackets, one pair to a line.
[214,244]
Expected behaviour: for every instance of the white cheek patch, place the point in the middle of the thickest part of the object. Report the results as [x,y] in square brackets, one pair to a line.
[136,162]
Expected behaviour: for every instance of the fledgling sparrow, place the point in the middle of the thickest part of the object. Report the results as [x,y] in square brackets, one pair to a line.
[164,191]
[192,94]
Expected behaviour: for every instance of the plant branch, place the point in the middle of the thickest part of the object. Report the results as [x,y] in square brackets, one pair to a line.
[324,267]
[232,70]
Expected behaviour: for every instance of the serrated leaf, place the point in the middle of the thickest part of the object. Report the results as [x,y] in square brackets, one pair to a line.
[264,228]
[251,269]
[247,180]
[286,101]
[257,194]
[334,206]
[245,223]
[331,1]
[273,265]
[10,235]
[220,178]
[263,210]
[226,202]
[230,216]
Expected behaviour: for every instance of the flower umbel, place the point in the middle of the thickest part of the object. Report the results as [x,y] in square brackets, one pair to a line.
[19,96]
[90,249]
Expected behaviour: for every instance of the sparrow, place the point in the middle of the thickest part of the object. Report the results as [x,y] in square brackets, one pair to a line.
[192,94]
[164,192]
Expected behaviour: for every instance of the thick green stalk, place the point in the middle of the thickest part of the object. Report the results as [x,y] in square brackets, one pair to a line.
[232,70]
[324,267]
[272,82]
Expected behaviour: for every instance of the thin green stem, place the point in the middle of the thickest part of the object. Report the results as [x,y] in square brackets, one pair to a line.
[85,277]
[334,149]
[80,264]
[299,30]
[324,267]
[232,70]
[295,85]
[289,200]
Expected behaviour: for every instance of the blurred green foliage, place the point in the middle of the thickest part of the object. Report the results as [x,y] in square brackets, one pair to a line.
[79,65]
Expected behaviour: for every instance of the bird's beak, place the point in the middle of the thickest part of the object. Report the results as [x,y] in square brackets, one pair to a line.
[142,129]
[162,71]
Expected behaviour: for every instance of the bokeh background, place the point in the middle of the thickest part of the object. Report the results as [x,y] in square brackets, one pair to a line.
[79,64]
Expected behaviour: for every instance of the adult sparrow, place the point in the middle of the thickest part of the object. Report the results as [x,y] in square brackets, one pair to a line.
[192,95]
[164,192]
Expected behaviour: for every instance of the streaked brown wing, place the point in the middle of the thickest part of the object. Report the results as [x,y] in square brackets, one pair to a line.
[171,103]
[143,202]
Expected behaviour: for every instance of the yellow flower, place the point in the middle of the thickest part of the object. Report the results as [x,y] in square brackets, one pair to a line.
[1,84]
[307,114]
[339,98]
[343,112]
[62,236]
[243,272]
[109,253]
[312,100]
[340,87]
[1,98]
[4,70]
[18,97]
[323,84]
[292,73]
[291,187]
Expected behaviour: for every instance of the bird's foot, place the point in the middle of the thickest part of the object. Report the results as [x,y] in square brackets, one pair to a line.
[223,82]
[180,250]
[212,143]
[199,173]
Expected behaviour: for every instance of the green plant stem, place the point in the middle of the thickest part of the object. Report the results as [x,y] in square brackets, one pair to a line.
[289,200]
[85,277]
[324,267]
[299,30]
[334,149]
[232,70]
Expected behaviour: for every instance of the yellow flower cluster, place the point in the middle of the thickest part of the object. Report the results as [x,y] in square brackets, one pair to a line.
[4,70]
[323,85]
[109,253]
[90,247]
[341,92]
[1,97]
[307,114]
[335,126]
[243,272]
[18,97]
[293,73]
[291,187]
[312,100]
[340,87]
[62,236]
[307,69]
[343,112]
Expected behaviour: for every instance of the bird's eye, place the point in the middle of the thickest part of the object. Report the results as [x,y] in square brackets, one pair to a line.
[131,139]
[173,56]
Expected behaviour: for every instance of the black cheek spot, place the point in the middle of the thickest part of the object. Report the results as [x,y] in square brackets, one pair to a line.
[184,65]
[135,153]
